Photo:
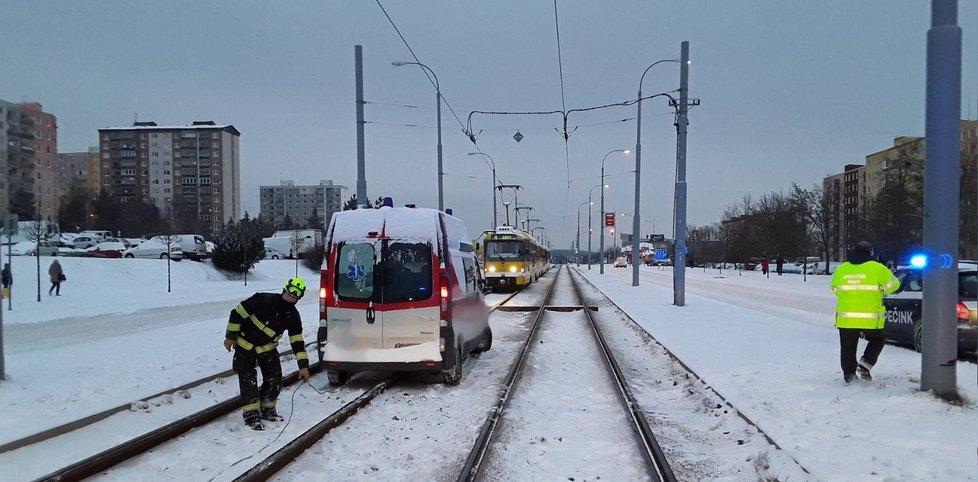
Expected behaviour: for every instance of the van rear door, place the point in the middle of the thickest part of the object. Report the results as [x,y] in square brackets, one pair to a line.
[355,322]
[410,306]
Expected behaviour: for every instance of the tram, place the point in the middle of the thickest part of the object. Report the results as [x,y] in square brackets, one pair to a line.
[512,259]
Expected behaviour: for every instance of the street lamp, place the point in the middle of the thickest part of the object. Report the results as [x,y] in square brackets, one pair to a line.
[638,166]
[441,194]
[493,167]
[589,204]
[625,151]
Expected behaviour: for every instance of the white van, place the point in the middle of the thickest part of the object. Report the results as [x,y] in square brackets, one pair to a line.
[192,245]
[400,290]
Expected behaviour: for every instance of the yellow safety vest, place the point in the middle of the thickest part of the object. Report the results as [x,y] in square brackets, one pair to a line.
[860,289]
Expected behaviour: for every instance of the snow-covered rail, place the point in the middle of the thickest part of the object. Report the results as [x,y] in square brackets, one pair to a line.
[478,464]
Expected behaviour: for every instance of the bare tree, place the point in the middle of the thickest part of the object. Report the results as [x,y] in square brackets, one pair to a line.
[169,240]
[817,208]
[38,231]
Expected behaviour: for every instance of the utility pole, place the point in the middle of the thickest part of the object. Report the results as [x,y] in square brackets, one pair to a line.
[679,266]
[941,201]
[361,163]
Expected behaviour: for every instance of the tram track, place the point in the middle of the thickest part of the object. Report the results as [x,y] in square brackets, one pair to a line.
[475,464]
[113,456]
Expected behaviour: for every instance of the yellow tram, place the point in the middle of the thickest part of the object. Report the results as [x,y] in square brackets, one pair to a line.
[513,259]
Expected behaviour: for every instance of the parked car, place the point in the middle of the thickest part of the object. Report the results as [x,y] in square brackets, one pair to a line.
[106,249]
[621,262]
[151,249]
[124,241]
[904,308]
[272,253]
[31,248]
[210,249]
[95,233]
[193,245]
[84,241]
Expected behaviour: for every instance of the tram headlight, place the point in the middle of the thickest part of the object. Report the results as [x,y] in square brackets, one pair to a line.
[492,269]
[512,269]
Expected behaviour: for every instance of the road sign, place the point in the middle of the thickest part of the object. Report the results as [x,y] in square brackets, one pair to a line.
[609,220]
[518,136]
[661,254]
[657,237]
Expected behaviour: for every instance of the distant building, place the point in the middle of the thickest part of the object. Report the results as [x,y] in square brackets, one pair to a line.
[187,171]
[73,169]
[846,193]
[298,202]
[29,156]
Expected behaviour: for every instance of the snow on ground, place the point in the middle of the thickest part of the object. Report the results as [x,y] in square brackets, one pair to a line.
[565,374]
[769,346]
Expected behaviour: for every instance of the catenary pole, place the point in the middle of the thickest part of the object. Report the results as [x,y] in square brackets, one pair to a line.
[361,163]
[941,200]
[679,266]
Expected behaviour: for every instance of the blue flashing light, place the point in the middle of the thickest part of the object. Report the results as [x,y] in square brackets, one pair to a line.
[918,261]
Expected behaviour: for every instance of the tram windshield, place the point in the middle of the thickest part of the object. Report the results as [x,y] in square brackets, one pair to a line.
[504,249]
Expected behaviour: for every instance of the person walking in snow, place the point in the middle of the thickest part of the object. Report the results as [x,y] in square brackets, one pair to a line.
[764,266]
[6,280]
[254,328]
[859,284]
[57,275]
[779,262]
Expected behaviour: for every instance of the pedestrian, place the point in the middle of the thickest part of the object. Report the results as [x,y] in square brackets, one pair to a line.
[780,264]
[860,284]
[57,276]
[764,266]
[254,328]
[6,280]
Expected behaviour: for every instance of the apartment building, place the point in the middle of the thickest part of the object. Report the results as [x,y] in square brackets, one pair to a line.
[30,157]
[298,202]
[73,169]
[192,173]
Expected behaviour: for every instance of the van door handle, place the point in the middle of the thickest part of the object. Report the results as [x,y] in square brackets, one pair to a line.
[371,314]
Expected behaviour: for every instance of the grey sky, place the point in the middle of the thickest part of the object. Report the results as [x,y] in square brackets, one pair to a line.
[791,90]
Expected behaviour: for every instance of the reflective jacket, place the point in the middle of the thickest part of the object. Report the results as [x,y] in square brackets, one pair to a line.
[860,285]
[260,321]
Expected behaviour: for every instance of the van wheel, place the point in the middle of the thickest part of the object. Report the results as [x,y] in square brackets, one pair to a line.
[129,256]
[453,376]
[337,378]
[486,343]
[918,331]
[164,256]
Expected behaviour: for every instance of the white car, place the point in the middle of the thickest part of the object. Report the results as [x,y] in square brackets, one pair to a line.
[272,253]
[84,241]
[153,250]
[621,262]
[30,248]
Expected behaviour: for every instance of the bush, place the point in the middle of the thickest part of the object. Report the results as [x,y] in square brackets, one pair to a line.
[313,258]
[239,246]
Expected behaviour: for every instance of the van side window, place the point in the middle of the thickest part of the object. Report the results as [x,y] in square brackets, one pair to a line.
[407,272]
[470,274]
[355,272]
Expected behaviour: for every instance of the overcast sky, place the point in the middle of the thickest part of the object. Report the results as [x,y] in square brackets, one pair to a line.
[791,91]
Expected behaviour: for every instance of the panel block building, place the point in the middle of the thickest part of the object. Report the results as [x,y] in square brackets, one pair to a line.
[186,171]
[298,202]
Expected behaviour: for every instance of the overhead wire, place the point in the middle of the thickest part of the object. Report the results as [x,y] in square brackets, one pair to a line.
[563,106]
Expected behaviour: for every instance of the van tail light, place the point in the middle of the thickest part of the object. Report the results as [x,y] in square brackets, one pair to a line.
[443,290]
[322,300]
[964,315]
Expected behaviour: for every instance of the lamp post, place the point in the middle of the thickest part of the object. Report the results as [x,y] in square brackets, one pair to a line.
[578,251]
[493,167]
[589,204]
[638,165]
[441,194]
[626,151]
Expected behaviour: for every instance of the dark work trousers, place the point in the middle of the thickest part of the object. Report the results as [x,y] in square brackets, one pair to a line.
[252,396]
[849,342]
[55,288]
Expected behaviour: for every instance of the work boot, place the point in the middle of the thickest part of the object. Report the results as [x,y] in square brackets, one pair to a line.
[863,370]
[849,377]
[271,415]
[253,421]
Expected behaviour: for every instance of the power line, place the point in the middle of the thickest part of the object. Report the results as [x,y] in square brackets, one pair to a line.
[563,107]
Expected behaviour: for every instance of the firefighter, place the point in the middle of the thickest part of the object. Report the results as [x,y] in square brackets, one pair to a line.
[860,284]
[254,328]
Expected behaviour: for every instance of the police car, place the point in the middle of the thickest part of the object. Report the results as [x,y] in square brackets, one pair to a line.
[904,307]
